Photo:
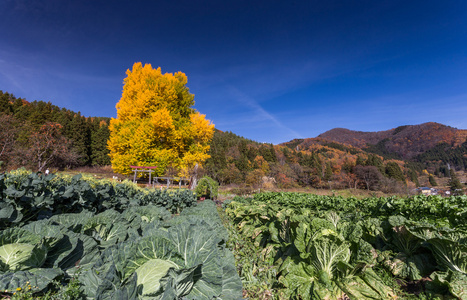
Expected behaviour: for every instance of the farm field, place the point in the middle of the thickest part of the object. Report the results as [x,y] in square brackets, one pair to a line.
[75,237]
[80,238]
[303,246]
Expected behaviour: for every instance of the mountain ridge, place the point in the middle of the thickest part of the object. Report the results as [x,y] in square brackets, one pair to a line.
[406,141]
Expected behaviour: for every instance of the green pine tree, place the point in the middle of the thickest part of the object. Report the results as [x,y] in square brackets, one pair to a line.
[328,172]
[455,185]
[393,170]
[412,174]
[99,136]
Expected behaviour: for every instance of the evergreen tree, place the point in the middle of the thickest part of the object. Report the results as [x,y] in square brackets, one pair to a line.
[242,164]
[412,174]
[455,185]
[444,171]
[432,180]
[374,160]
[360,161]
[99,136]
[243,148]
[5,105]
[272,157]
[394,171]
[328,173]
[79,134]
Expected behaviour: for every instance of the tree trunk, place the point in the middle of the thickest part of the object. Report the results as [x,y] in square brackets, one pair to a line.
[194,178]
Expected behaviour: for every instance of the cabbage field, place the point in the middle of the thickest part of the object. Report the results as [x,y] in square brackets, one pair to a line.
[323,247]
[81,238]
[110,241]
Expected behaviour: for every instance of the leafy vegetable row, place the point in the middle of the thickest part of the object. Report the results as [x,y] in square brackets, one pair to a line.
[450,211]
[29,197]
[332,248]
[140,253]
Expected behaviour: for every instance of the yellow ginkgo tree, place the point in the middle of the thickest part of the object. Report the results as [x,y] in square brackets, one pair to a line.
[156,123]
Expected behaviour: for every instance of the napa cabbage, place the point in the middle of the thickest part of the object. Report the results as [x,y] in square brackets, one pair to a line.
[324,268]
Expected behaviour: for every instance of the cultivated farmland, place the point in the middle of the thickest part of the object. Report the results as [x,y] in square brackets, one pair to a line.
[66,237]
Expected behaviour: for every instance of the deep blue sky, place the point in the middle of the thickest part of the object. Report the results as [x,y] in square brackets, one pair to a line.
[267,70]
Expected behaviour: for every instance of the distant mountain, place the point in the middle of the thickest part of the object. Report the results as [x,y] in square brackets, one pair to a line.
[405,141]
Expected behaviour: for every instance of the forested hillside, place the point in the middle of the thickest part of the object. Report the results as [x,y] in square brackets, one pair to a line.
[343,158]
[40,135]
[305,163]
[405,141]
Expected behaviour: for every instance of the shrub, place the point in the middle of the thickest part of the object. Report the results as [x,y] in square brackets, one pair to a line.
[207,188]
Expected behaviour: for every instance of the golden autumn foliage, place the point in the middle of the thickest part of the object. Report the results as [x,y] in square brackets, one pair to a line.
[156,124]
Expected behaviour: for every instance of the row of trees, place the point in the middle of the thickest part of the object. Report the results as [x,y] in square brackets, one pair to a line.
[157,125]
[442,155]
[41,135]
[236,160]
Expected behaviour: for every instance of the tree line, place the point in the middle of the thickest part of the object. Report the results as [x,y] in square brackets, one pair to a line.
[237,160]
[443,154]
[39,135]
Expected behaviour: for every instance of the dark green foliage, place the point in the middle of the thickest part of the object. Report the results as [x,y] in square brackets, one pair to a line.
[347,166]
[29,197]
[288,154]
[380,149]
[88,136]
[455,185]
[432,180]
[374,160]
[342,147]
[5,105]
[242,164]
[310,160]
[325,246]
[444,154]
[227,148]
[394,171]
[360,161]
[77,130]
[99,136]
[268,152]
[444,171]
[412,174]
[294,143]
[328,172]
[399,129]
[416,166]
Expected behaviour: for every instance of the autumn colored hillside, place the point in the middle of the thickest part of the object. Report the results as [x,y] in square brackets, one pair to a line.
[393,161]
[406,141]
[396,160]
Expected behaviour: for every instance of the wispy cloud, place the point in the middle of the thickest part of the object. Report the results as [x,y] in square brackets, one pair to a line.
[13,75]
[252,104]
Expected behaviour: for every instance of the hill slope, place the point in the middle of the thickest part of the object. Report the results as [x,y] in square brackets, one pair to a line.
[405,141]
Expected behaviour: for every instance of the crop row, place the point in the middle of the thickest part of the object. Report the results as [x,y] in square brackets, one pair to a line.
[333,248]
[116,241]
[438,210]
[26,197]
